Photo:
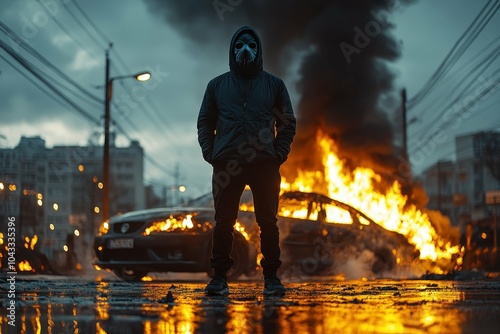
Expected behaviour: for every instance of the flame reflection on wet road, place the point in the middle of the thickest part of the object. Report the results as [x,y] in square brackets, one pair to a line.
[382,306]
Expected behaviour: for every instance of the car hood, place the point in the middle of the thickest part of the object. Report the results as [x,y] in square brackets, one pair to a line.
[149,214]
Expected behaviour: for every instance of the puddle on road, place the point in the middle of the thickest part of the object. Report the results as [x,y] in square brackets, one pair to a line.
[315,307]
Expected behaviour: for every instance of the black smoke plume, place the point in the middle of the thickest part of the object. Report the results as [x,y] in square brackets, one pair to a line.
[344,81]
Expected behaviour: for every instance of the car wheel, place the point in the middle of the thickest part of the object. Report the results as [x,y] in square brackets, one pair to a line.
[384,261]
[129,275]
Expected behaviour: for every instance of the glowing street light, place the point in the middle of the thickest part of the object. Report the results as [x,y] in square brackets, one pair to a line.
[143,76]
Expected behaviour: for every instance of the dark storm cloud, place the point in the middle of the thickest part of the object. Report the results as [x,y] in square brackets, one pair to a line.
[345,83]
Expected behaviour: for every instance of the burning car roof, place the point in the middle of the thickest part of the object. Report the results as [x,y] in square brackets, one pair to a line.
[319,198]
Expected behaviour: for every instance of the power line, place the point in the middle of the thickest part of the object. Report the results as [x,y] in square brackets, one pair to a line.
[438,130]
[445,65]
[96,28]
[452,58]
[48,93]
[67,32]
[158,122]
[120,59]
[476,58]
[147,113]
[13,36]
[37,55]
[82,25]
[466,91]
[37,73]
[125,69]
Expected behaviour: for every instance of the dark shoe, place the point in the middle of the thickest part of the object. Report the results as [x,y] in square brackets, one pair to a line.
[217,286]
[273,286]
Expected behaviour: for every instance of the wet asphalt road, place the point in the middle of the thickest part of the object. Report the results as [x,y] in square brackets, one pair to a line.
[54,304]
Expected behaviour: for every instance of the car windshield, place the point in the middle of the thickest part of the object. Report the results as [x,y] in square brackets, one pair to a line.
[307,209]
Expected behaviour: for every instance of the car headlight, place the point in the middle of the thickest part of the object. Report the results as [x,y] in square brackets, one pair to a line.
[104,228]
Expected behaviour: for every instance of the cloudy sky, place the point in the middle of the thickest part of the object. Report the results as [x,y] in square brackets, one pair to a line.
[185,44]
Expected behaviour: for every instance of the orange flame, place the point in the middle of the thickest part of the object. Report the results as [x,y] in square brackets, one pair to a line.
[240,228]
[30,243]
[170,224]
[389,209]
[24,266]
[178,223]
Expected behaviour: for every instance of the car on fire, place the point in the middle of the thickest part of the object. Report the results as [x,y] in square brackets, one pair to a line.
[318,235]
[324,236]
[165,240]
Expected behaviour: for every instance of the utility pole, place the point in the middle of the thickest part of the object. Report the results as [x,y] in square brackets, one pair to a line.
[405,135]
[142,76]
[105,165]
[405,166]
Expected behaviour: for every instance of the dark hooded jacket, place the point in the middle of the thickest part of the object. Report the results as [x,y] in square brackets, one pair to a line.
[246,114]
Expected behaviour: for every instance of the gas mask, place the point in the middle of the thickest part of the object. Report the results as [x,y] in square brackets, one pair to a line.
[245,50]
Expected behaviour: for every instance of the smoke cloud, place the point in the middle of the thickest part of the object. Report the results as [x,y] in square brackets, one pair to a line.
[344,81]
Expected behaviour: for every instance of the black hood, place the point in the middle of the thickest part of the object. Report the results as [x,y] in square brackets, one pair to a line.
[256,66]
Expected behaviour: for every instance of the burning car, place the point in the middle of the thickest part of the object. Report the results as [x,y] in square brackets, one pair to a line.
[165,240]
[318,235]
[321,235]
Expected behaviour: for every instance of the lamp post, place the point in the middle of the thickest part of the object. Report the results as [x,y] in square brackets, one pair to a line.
[142,76]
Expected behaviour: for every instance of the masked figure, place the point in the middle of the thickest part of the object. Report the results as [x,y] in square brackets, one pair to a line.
[245,50]
[245,128]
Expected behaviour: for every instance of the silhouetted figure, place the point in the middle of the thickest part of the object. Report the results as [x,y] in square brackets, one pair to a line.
[245,128]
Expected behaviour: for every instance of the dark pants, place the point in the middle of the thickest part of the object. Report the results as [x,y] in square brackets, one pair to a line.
[228,183]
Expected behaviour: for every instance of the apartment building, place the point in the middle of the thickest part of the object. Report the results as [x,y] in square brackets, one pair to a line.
[458,188]
[56,192]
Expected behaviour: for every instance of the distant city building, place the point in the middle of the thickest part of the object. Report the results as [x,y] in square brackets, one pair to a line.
[458,189]
[23,182]
[439,184]
[54,192]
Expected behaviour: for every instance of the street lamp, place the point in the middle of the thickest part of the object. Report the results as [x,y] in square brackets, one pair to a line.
[142,76]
